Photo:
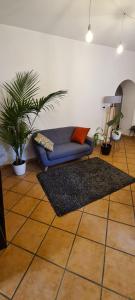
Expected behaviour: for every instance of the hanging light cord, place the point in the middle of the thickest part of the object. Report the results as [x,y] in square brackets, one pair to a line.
[90,11]
[122,26]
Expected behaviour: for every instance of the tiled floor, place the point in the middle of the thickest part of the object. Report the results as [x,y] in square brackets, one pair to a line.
[88,254]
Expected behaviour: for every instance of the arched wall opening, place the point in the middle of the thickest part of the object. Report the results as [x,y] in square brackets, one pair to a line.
[127,90]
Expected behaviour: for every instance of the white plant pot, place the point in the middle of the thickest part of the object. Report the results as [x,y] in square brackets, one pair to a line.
[116,137]
[20,169]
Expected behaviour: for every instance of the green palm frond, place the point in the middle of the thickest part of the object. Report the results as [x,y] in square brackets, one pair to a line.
[23,87]
[15,116]
[116,120]
[46,102]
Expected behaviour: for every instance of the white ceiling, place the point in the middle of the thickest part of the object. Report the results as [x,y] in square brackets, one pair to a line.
[69,18]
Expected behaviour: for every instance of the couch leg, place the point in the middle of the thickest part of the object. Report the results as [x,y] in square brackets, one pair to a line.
[45,169]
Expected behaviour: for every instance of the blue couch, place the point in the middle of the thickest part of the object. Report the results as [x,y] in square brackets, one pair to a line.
[64,149]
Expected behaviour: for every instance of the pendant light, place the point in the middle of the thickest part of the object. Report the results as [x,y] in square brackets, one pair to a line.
[89,34]
[120,47]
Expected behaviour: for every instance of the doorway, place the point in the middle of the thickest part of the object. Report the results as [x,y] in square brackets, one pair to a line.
[126,90]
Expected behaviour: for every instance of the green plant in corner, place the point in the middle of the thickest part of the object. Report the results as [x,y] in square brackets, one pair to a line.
[103,137]
[116,133]
[19,110]
[116,120]
[99,136]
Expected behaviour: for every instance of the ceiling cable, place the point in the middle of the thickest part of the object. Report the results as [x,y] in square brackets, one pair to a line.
[90,12]
[89,34]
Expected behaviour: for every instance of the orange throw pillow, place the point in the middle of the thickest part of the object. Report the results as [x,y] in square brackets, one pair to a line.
[79,135]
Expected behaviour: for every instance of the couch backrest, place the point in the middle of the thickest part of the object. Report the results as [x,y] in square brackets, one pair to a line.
[58,135]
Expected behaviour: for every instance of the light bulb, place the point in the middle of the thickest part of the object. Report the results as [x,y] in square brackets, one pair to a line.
[120,48]
[89,35]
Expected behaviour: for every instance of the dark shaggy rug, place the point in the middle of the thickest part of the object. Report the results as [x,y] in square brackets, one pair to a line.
[74,185]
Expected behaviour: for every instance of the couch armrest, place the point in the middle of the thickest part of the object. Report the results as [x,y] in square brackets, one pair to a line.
[41,153]
[89,141]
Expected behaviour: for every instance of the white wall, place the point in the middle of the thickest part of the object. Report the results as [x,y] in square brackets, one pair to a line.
[128,106]
[88,72]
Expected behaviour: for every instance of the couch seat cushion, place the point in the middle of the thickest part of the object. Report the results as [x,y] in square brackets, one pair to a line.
[67,149]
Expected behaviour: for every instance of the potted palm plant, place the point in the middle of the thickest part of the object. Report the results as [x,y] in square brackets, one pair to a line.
[19,110]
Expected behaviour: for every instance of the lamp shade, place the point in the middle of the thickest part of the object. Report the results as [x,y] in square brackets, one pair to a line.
[112,99]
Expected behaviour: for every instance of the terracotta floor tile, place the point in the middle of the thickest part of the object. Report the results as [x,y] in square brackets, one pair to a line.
[118,154]
[127,188]
[99,208]
[121,166]
[105,158]
[13,264]
[7,171]
[10,198]
[93,228]
[122,196]
[132,173]
[105,198]
[9,182]
[3,176]
[121,237]
[94,155]
[45,198]
[133,187]
[131,161]
[121,160]
[131,167]
[33,166]
[121,213]
[43,213]
[31,176]
[31,235]
[130,155]
[108,295]
[2,297]
[13,224]
[41,281]
[1,251]
[25,206]
[36,191]
[130,149]
[5,211]
[86,259]
[68,222]
[56,246]
[120,150]
[74,287]
[119,274]
[133,195]
[22,187]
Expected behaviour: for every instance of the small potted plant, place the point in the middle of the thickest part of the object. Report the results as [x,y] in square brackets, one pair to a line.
[104,139]
[116,133]
[19,111]
[98,137]
[101,138]
[106,145]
